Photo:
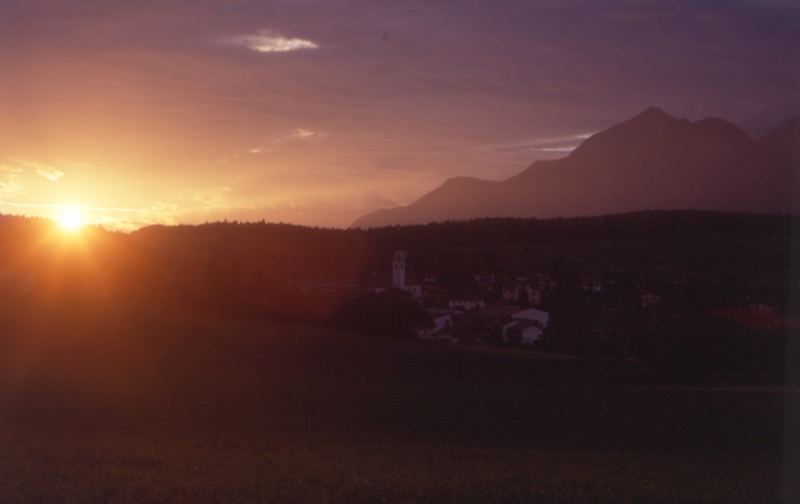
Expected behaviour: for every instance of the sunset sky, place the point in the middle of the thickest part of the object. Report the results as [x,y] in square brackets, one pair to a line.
[315,112]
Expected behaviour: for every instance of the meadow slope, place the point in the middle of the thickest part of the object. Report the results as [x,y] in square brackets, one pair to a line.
[190,408]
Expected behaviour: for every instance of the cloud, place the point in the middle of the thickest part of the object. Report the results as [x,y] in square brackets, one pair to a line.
[298,134]
[8,168]
[49,173]
[215,198]
[302,134]
[566,148]
[11,187]
[566,143]
[563,144]
[270,42]
[19,166]
[11,174]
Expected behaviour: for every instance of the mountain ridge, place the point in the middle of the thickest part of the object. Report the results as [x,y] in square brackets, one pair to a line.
[652,160]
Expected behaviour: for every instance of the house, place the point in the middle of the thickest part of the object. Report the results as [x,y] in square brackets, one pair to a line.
[466,303]
[533,314]
[522,331]
[526,327]
[433,293]
[522,291]
[592,283]
[442,325]
[499,312]
[486,282]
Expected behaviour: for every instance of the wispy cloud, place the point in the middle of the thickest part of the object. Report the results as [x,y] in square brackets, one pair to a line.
[11,184]
[11,187]
[302,134]
[80,207]
[19,166]
[214,198]
[299,134]
[271,42]
[50,173]
[566,148]
[566,143]
[9,168]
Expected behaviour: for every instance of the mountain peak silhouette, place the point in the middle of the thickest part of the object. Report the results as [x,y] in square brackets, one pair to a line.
[651,161]
[652,114]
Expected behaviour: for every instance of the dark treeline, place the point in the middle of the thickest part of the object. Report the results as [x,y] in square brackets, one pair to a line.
[743,248]
[722,262]
[195,262]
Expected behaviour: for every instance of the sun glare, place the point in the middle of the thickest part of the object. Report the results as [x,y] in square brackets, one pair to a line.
[70,219]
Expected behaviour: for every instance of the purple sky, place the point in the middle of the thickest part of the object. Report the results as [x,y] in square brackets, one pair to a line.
[316,112]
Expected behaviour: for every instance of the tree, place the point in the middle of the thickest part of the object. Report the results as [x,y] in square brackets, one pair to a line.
[523,298]
[389,313]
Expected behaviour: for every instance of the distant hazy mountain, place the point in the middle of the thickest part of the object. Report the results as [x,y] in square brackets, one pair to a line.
[652,161]
[782,144]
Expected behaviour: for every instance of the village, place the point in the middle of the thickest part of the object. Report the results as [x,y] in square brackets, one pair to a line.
[578,311]
[459,317]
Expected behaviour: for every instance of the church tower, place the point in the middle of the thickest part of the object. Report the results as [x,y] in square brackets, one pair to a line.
[399,269]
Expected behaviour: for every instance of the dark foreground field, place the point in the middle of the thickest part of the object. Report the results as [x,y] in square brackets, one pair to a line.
[181,409]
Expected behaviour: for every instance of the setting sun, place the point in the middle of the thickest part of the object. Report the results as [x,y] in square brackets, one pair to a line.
[70,219]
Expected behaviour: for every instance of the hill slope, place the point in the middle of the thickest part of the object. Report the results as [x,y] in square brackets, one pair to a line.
[651,161]
[198,409]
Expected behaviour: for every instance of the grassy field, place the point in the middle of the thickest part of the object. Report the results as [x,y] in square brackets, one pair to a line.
[188,409]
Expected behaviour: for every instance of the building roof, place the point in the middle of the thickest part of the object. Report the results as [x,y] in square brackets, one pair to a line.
[436,312]
[499,311]
[532,314]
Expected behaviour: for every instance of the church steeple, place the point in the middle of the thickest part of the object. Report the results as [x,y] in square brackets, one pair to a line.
[399,269]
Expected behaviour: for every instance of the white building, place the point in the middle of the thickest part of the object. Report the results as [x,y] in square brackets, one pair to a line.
[592,283]
[533,314]
[399,277]
[399,269]
[526,327]
[522,332]
[466,304]
[442,323]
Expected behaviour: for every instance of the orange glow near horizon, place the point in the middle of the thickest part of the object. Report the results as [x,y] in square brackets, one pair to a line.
[70,219]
